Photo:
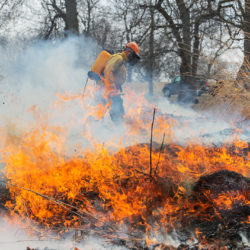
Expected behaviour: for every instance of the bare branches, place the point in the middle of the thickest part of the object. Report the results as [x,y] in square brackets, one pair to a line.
[52,27]
[3,4]
[61,14]
[9,10]
[89,19]
[131,17]
[177,26]
[169,19]
[188,20]
[57,9]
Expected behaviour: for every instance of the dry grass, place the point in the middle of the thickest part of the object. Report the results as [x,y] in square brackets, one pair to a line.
[229,96]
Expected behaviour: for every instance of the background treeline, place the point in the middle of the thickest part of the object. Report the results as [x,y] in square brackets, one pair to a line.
[176,37]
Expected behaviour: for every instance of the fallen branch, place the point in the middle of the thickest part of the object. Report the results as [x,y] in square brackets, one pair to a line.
[69,208]
[64,205]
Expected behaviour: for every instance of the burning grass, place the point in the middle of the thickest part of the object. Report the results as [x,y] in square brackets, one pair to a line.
[135,195]
[111,191]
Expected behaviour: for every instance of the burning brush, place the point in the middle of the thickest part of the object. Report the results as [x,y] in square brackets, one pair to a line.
[133,197]
[68,170]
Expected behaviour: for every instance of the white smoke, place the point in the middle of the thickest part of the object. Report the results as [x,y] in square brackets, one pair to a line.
[14,237]
[204,127]
[32,77]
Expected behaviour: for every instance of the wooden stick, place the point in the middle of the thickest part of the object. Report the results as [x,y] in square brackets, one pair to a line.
[151,144]
[160,153]
[64,205]
[85,87]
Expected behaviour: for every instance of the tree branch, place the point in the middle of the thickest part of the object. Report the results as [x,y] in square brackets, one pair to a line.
[46,37]
[61,13]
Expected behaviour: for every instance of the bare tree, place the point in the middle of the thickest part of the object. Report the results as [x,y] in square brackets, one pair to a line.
[237,14]
[60,15]
[132,20]
[9,10]
[139,26]
[87,15]
[187,21]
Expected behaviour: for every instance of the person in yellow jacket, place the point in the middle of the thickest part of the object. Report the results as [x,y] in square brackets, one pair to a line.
[113,77]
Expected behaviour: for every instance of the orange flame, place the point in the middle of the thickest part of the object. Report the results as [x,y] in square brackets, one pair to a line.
[53,188]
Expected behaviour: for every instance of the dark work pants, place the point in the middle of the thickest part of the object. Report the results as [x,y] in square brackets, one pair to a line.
[117,110]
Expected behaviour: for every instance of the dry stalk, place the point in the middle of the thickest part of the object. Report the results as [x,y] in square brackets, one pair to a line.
[150,158]
[151,144]
[162,143]
[85,88]
[219,231]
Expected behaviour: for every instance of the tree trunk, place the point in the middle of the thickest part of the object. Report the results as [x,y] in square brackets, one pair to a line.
[246,29]
[151,54]
[196,52]
[185,50]
[72,24]
[243,73]
[185,68]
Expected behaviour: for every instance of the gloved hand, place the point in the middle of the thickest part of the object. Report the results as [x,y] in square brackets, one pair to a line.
[93,76]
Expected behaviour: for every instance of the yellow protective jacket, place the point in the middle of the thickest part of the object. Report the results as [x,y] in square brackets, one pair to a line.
[115,71]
